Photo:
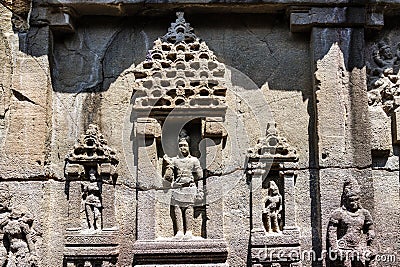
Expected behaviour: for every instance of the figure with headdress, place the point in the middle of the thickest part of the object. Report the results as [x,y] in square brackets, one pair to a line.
[272,209]
[350,230]
[182,172]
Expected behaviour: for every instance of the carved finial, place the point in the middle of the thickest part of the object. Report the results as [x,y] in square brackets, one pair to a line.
[180,31]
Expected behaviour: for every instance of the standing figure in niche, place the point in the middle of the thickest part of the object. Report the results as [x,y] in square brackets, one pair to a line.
[182,171]
[19,239]
[91,197]
[350,230]
[272,209]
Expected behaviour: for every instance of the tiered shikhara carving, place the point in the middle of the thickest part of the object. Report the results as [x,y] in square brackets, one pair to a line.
[272,146]
[384,80]
[180,72]
[92,147]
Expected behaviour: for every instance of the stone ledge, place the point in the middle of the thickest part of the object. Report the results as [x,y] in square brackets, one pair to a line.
[180,253]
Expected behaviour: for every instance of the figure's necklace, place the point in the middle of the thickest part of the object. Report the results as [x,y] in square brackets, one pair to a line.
[353,214]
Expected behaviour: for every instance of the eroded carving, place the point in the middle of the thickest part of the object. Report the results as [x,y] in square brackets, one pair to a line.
[91,238]
[19,238]
[180,72]
[272,146]
[182,172]
[272,209]
[350,229]
[91,198]
[92,147]
[384,79]
[5,210]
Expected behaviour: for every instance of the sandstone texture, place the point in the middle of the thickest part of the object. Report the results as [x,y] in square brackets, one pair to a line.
[199,133]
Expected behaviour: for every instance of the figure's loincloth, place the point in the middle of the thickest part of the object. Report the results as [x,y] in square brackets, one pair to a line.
[183,196]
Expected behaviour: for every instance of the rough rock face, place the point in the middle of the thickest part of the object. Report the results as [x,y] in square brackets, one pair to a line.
[237,133]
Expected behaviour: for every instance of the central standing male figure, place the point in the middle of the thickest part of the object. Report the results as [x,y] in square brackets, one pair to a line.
[182,171]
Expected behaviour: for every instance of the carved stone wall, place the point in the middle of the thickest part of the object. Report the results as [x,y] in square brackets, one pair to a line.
[321,76]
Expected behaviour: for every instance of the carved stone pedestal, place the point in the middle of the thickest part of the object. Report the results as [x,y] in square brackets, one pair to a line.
[282,249]
[181,253]
[96,250]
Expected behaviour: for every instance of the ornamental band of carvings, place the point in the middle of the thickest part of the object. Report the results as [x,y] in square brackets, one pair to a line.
[350,230]
[384,79]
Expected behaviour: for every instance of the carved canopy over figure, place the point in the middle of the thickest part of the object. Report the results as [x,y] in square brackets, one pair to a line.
[350,230]
[182,172]
[273,207]
[19,239]
[91,197]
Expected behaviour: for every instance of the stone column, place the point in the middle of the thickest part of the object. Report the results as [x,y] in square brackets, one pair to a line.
[342,128]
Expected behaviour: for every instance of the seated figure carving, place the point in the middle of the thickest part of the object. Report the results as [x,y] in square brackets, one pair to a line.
[272,209]
[350,230]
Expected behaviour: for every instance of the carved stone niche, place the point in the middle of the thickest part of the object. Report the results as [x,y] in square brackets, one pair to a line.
[92,238]
[271,170]
[179,86]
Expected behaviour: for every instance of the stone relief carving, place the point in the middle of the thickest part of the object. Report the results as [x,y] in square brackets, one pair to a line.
[180,72]
[273,207]
[19,238]
[90,158]
[91,239]
[17,234]
[182,172]
[384,79]
[91,198]
[92,147]
[273,215]
[5,210]
[272,146]
[180,83]
[350,229]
